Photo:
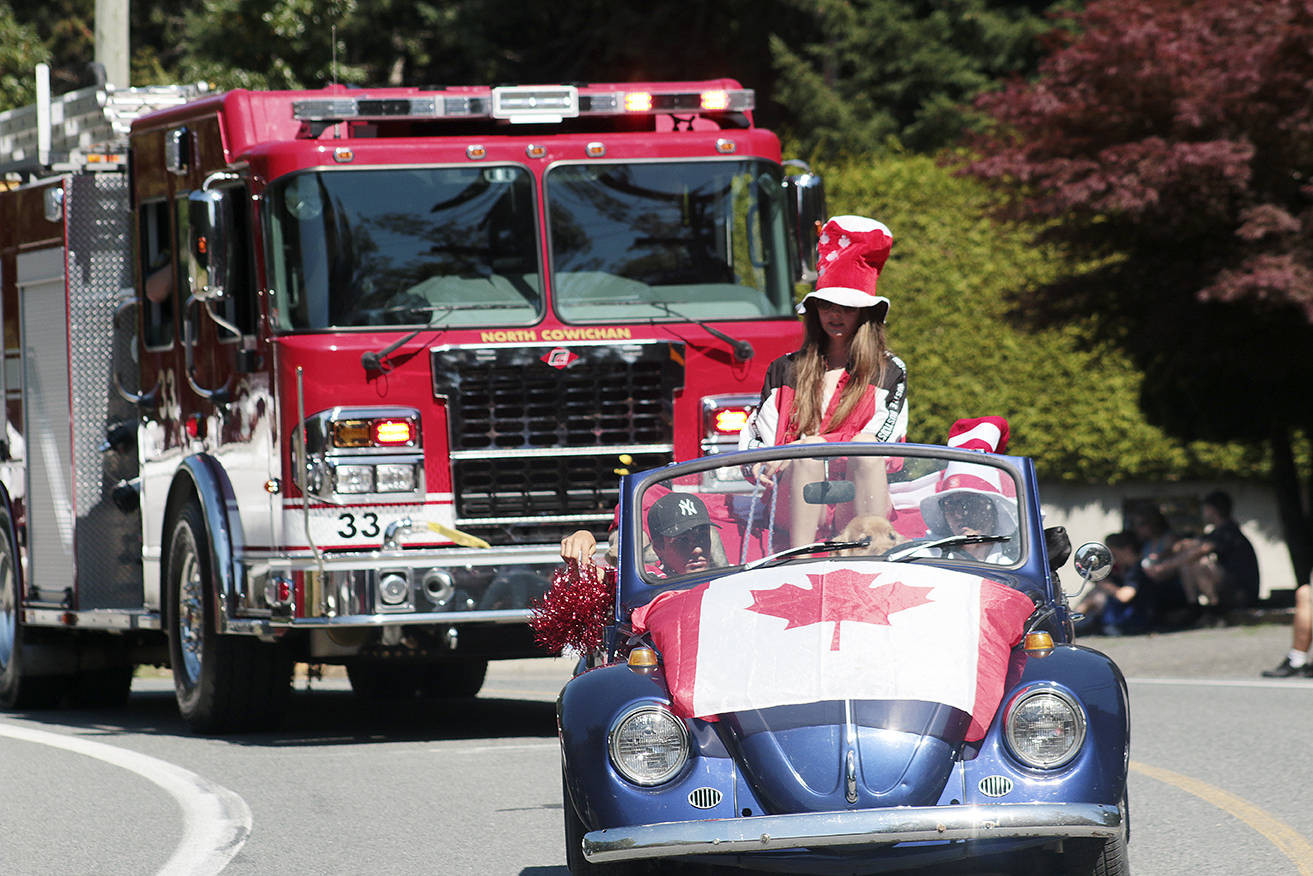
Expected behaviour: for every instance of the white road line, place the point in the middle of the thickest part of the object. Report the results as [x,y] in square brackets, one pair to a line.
[215,821]
[1291,684]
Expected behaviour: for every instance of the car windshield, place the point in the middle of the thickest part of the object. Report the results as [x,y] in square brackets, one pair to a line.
[403,246]
[669,241]
[903,506]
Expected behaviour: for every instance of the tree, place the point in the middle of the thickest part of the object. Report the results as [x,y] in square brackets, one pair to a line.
[868,70]
[20,52]
[1174,139]
[953,278]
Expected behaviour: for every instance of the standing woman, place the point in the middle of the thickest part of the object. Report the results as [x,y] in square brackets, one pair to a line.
[843,384]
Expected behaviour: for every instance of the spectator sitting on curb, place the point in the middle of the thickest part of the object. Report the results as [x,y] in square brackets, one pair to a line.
[1122,603]
[1298,661]
[1220,569]
[1161,565]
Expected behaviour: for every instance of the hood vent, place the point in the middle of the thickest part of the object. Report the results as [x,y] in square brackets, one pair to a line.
[995,786]
[704,798]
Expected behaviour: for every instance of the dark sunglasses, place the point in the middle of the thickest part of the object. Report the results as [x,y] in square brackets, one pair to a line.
[699,537]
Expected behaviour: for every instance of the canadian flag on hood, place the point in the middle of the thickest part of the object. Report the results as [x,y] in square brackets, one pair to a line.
[832,630]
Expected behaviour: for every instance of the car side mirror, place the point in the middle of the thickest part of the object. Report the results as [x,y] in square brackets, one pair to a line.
[805,195]
[211,221]
[1093,561]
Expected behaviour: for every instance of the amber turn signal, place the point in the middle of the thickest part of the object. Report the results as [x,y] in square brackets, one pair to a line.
[1039,644]
[642,660]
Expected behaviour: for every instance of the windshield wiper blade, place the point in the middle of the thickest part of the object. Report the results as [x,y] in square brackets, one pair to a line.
[815,547]
[377,360]
[897,554]
[742,350]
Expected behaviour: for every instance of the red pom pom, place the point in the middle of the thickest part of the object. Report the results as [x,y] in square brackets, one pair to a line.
[576,608]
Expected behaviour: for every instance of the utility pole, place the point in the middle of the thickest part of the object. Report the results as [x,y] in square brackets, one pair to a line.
[112,41]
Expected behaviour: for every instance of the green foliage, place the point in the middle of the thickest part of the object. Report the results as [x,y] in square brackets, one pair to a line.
[267,43]
[899,68]
[954,279]
[20,52]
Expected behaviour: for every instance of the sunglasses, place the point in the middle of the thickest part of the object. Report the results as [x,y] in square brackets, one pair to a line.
[699,537]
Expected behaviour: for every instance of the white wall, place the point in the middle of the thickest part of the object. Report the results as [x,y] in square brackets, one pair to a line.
[1091,512]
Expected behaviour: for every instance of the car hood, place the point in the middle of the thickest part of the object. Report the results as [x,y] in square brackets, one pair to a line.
[846,754]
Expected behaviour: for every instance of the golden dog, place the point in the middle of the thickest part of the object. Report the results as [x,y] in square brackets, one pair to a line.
[882,533]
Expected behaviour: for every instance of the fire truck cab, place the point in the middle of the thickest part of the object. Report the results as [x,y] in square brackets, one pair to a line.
[325,376]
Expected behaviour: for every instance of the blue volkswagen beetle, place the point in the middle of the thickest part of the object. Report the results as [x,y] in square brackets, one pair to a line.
[843,658]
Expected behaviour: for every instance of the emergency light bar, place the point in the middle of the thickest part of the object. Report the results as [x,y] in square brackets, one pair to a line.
[528,104]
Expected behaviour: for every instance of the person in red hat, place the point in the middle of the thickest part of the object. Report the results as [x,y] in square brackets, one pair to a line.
[844,384]
[973,499]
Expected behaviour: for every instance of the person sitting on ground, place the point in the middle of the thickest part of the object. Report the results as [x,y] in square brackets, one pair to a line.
[679,526]
[1221,568]
[1161,565]
[1129,607]
[1299,661]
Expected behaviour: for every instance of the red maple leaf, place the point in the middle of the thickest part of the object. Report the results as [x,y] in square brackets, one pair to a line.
[842,595]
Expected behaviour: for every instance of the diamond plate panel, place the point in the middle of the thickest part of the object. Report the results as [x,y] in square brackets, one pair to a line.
[100,267]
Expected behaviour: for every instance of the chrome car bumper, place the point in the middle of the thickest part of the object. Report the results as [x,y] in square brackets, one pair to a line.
[899,824]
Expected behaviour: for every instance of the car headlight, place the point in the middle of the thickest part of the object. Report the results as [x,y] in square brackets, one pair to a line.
[1045,728]
[648,745]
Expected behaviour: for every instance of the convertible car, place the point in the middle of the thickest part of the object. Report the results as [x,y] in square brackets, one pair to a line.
[843,658]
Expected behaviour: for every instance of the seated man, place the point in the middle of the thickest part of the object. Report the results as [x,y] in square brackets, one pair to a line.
[679,527]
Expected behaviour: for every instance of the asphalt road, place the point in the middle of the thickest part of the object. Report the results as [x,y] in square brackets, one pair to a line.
[1219,782]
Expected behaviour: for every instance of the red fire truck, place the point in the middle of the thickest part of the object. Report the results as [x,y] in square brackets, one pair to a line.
[325,376]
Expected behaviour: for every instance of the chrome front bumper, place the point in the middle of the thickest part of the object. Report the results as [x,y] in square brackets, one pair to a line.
[900,824]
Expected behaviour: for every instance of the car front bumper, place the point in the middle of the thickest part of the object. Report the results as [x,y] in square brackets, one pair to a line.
[900,824]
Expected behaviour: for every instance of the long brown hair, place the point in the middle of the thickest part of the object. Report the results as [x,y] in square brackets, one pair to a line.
[866,364]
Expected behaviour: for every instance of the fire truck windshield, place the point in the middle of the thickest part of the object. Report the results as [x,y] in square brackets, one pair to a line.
[399,246]
[706,238]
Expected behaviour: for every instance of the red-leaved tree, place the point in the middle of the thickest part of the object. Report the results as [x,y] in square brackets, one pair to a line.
[1174,138]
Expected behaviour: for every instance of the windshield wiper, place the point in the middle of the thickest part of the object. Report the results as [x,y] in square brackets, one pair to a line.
[377,360]
[897,554]
[815,547]
[742,349]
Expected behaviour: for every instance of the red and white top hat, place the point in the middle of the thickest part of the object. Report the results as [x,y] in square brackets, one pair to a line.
[850,254]
[987,434]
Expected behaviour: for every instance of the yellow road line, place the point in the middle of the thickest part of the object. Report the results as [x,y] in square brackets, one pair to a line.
[1287,840]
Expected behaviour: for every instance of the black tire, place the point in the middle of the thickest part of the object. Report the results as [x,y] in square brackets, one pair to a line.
[224,684]
[456,680]
[1100,857]
[19,689]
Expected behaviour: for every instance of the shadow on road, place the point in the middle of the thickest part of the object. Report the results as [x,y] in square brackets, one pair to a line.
[326,717]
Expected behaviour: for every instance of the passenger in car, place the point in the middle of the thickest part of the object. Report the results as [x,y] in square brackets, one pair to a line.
[973,499]
[680,531]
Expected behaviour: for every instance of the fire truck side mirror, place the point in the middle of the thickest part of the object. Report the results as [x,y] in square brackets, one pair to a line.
[211,222]
[805,195]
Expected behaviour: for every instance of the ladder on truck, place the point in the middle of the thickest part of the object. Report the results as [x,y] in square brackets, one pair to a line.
[85,129]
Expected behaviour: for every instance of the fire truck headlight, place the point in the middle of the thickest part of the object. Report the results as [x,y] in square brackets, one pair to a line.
[395,478]
[353,478]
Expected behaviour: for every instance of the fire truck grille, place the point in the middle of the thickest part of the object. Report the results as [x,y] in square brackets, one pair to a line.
[514,399]
[607,408]
[547,486]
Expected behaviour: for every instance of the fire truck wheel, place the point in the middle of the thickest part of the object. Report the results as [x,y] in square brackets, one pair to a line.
[454,680]
[19,689]
[224,684]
